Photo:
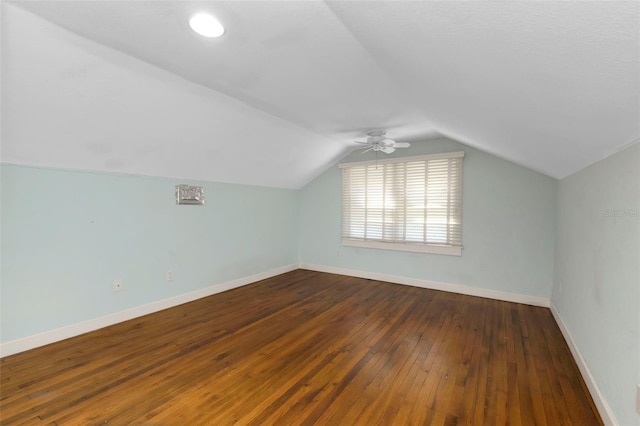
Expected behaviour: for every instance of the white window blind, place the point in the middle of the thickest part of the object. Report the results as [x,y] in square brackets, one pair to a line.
[411,203]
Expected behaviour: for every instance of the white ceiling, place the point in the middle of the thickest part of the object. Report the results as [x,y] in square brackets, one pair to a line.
[280,97]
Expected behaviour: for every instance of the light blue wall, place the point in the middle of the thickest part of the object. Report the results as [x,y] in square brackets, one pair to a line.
[508,227]
[597,273]
[67,235]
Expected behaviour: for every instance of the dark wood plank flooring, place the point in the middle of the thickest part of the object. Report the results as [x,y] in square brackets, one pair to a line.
[308,348]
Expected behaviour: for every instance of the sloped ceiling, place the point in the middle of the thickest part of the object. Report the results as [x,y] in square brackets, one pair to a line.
[127,86]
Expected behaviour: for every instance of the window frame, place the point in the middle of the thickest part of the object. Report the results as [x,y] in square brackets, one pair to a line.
[433,248]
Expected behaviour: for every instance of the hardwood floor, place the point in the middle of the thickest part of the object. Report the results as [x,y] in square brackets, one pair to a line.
[308,348]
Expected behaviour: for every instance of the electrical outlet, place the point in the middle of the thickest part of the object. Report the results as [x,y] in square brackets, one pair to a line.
[638,400]
[170,275]
[117,285]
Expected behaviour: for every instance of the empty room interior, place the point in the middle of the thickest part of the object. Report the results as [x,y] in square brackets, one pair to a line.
[320,212]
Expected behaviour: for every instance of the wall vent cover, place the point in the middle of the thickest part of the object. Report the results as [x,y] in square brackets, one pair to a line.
[188,194]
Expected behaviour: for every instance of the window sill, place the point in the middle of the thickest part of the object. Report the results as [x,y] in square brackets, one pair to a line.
[420,248]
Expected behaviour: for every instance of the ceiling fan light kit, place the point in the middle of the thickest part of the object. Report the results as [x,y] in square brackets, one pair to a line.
[378,142]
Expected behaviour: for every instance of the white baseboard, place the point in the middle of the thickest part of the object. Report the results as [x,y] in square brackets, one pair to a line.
[41,339]
[434,285]
[37,340]
[601,404]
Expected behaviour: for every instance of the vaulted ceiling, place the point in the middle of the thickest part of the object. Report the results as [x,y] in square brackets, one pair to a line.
[126,86]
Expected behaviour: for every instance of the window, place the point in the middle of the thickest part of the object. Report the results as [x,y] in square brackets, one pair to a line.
[410,203]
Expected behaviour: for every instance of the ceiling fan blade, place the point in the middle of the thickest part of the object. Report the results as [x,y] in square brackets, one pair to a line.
[377,141]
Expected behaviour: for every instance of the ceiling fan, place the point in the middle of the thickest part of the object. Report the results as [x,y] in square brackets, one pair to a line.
[376,141]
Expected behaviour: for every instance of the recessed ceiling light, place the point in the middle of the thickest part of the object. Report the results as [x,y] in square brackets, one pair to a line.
[206,25]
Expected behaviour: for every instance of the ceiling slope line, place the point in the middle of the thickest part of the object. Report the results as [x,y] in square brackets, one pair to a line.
[177,82]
